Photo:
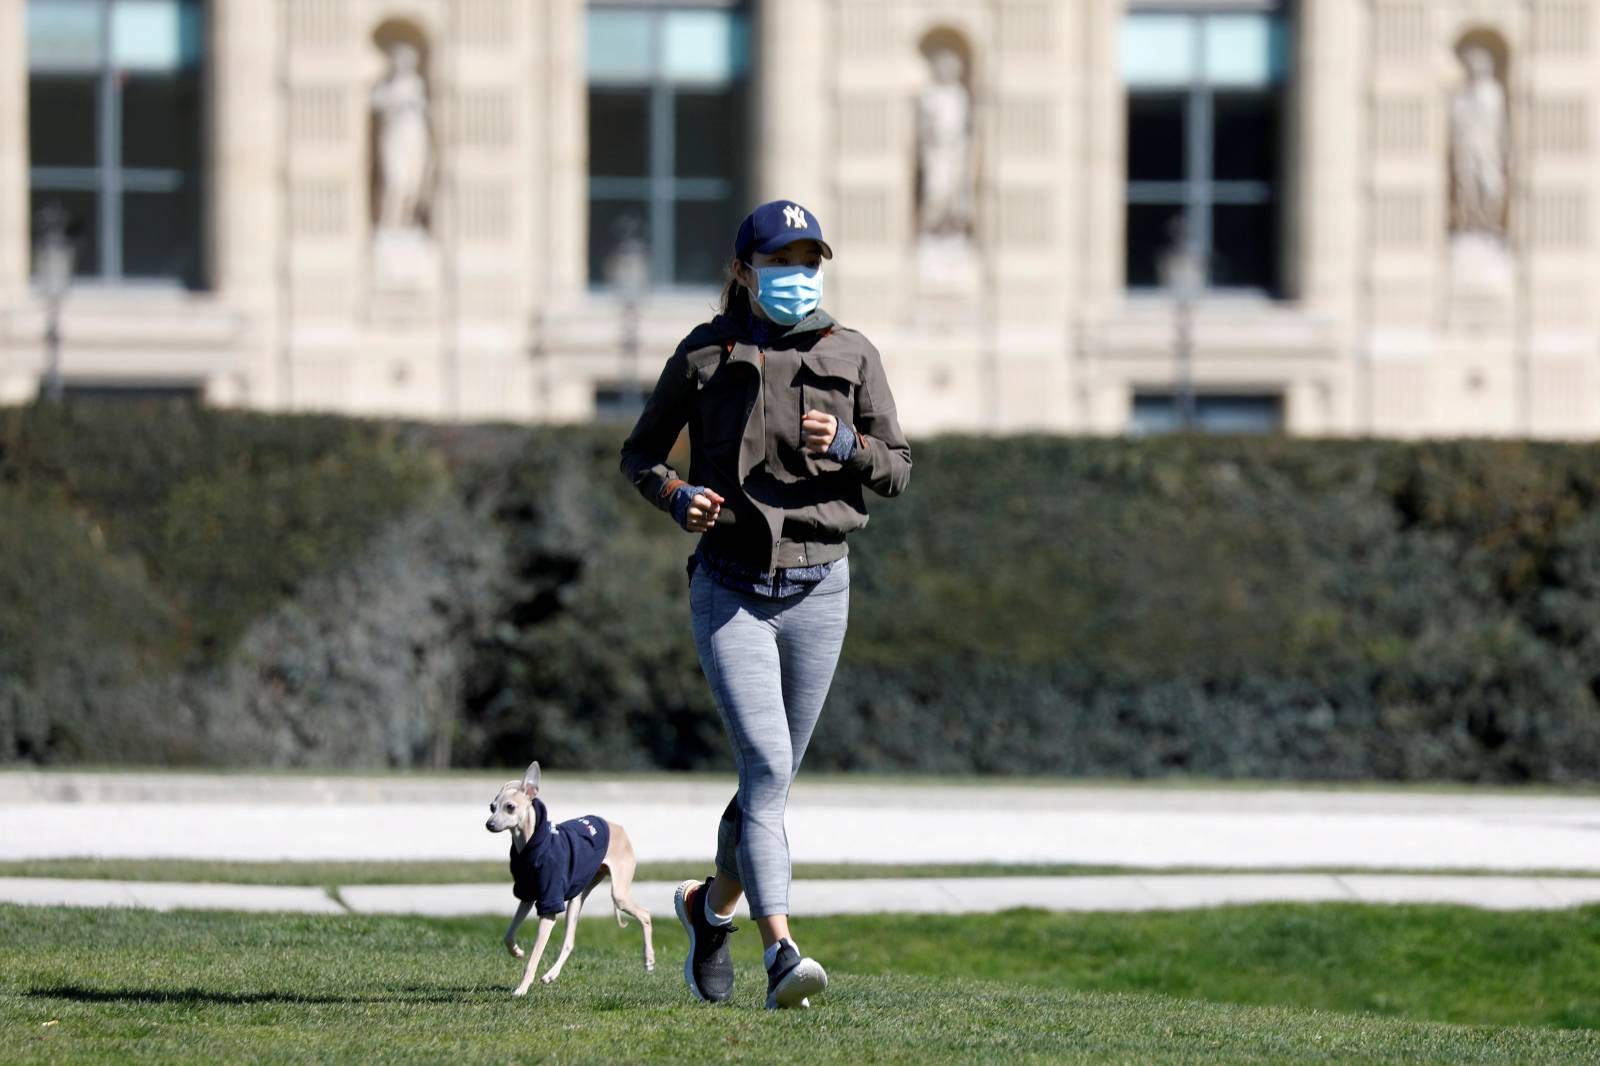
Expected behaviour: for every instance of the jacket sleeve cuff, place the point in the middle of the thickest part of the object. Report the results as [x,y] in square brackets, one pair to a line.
[668,493]
[861,456]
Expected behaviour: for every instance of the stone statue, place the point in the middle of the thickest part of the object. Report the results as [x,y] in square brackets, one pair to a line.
[1479,148]
[404,143]
[944,150]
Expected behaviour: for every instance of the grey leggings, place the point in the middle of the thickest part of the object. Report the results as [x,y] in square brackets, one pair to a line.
[769,662]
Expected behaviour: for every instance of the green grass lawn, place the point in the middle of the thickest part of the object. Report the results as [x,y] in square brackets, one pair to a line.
[332,874]
[1328,984]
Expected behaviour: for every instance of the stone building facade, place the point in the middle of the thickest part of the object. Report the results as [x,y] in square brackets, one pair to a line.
[512,209]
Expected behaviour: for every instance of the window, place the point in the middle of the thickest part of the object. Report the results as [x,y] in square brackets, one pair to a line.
[619,404]
[667,138]
[189,392]
[1245,414]
[114,131]
[1205,102]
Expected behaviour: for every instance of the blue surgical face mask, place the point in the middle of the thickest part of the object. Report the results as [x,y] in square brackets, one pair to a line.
[788,293]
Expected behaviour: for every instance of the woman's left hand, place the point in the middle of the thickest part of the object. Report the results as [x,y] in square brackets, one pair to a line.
[817,431]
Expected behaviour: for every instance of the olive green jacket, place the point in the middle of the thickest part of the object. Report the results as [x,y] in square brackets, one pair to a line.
[782,506]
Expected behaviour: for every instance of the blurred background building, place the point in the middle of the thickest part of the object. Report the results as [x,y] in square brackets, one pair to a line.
[1102,216]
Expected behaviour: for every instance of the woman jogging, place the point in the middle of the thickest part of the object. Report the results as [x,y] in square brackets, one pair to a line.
[789,416]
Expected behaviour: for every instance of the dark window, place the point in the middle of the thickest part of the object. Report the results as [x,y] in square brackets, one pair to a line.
[1244,244]
[1157,134]
[618,403]
[1205,96]
[708,134]
[1233,414]
[619,133]
[667,142]
[63,121]
[178,390]
[1245,144]
[114,131]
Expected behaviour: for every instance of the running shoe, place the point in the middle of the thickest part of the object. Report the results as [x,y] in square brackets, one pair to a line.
[709,969]
[792,979]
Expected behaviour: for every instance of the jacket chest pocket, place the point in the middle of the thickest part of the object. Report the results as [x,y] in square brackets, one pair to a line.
[828,383]
[720,400]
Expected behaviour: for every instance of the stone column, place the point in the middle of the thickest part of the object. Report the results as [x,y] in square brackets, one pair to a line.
[1103,131]
[15,228]
[244,222]
[1101,136]
[795,142]
[560,93]
[19,352]
[1326,143]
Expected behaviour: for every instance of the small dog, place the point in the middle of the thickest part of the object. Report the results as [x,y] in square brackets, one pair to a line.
[555,867]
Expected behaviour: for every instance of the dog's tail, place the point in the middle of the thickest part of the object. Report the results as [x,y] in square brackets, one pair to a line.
[622,919]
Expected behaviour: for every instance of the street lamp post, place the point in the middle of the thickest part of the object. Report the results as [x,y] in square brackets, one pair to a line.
[628,273]
[1183,271]
[54,255]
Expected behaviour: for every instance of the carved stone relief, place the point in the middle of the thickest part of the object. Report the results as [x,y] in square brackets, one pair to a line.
[404,143]
[1480,177]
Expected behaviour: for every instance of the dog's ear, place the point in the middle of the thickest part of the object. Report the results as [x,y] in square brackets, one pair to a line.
[530,780]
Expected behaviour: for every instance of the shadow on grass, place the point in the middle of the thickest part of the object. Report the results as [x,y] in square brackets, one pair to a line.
[200,996]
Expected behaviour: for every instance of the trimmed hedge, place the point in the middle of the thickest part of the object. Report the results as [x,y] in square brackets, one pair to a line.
[1231,608]
[149,551]
[212,587]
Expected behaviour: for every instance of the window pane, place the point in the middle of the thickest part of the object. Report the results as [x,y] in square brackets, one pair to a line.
[619,403]
[1241,414]
[621,45]
[161,121]
[154,34]
[1245,50]
[83,212]
[1150,234]
[1157,135]
[1158,412]
[709,131]
[619,133]
[61,121]
[611,223]
[1246,137]
[1158,50]
[707,47]
[160,235]
[704,244]
[1154,414]
[65,34]
[1244,246]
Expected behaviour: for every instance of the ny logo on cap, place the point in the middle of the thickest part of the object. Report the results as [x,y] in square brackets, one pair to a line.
[795,216]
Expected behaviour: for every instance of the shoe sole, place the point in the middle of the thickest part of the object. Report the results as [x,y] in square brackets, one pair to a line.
[688,927]
[798,985]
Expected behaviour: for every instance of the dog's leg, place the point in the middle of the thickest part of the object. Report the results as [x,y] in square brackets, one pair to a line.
[545,925]
[516,923]
[574,909]
[620,859]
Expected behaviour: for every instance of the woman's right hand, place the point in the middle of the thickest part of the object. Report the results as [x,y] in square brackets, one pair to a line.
[703,510]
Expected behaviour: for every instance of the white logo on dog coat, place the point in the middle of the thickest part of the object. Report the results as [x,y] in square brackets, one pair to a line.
[795,216]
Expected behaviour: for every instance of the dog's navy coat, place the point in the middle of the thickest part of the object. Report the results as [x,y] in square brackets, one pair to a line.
[560,860]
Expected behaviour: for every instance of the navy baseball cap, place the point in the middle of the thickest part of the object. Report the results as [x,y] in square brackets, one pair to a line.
[774,225]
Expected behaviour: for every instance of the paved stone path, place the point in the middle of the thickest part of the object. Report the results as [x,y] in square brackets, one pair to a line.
[260,817]
[881,896]
[335,818]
